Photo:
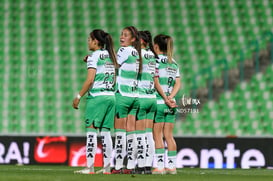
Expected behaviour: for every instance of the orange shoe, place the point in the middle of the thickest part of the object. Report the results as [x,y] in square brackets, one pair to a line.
[106,173]
[157,171]
[171,171]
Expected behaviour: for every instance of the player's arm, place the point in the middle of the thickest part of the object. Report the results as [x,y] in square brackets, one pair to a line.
[162,94]
[176,88]
[89,81]
[85,87]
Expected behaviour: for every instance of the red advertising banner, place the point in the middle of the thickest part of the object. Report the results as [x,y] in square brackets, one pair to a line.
[191,152]
[50,149]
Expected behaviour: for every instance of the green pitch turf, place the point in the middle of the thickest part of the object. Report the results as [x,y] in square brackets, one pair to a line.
[65,173]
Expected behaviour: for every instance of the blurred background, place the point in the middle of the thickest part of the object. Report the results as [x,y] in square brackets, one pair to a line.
[223,47]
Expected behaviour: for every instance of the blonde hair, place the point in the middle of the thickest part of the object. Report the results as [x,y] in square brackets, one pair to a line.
[170,49]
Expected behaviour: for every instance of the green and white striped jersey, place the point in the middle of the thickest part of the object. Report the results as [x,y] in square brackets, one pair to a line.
[105,73]
[146,79]
[167,74]
[128,59]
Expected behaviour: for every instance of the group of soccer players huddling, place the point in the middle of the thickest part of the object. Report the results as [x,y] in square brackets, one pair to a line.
[133,92]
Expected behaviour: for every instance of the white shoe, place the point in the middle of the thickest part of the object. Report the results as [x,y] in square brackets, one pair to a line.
[99,171]
[104,171]
[85,171]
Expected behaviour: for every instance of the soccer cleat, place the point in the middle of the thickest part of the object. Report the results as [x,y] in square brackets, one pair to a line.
[107,170]
[128,171]
[157,171]
[140,170]
[99,171]
[114,171]
[148,170]
[171,171]
[85,171]
[107,173]
[103,171]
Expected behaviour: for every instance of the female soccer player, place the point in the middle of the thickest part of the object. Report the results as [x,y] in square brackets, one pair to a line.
[167,83]
[100,108]
[130,62]
[147,105]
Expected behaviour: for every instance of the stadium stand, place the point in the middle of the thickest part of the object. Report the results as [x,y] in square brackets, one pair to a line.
[42,44]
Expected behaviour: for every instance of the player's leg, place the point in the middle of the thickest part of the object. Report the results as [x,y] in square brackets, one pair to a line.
[122,109]
[171,144]
[140,134]
[158,138]
[91,137]
[106,126]
[131,137]
[107,147]
[150,145]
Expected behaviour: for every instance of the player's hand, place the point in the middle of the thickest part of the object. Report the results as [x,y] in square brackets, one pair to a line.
[85,58]
[171,102]
[76,102]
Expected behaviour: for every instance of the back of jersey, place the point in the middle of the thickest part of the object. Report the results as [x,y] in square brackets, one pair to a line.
[127,58]
[167,74]
[105,73]
[146,79]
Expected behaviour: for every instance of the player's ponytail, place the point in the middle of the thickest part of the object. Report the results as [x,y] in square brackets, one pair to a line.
[165,44]
[170,49]
[150,42]
[109,46]
[136,44]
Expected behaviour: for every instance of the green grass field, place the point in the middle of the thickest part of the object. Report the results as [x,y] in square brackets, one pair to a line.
[65,173]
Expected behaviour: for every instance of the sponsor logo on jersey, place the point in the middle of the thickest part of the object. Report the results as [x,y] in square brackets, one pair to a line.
[109,65]
[134,53]
[164,60]
[104,56]
[148,56]
[171,71]
[151,64]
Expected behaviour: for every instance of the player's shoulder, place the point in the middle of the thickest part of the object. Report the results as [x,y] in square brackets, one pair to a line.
[101,54]
[125,49]
[151,54]
[95,54]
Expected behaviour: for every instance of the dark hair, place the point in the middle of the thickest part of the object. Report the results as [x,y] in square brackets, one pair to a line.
[165,44]
[137,43]
[105,41]
[146,36]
